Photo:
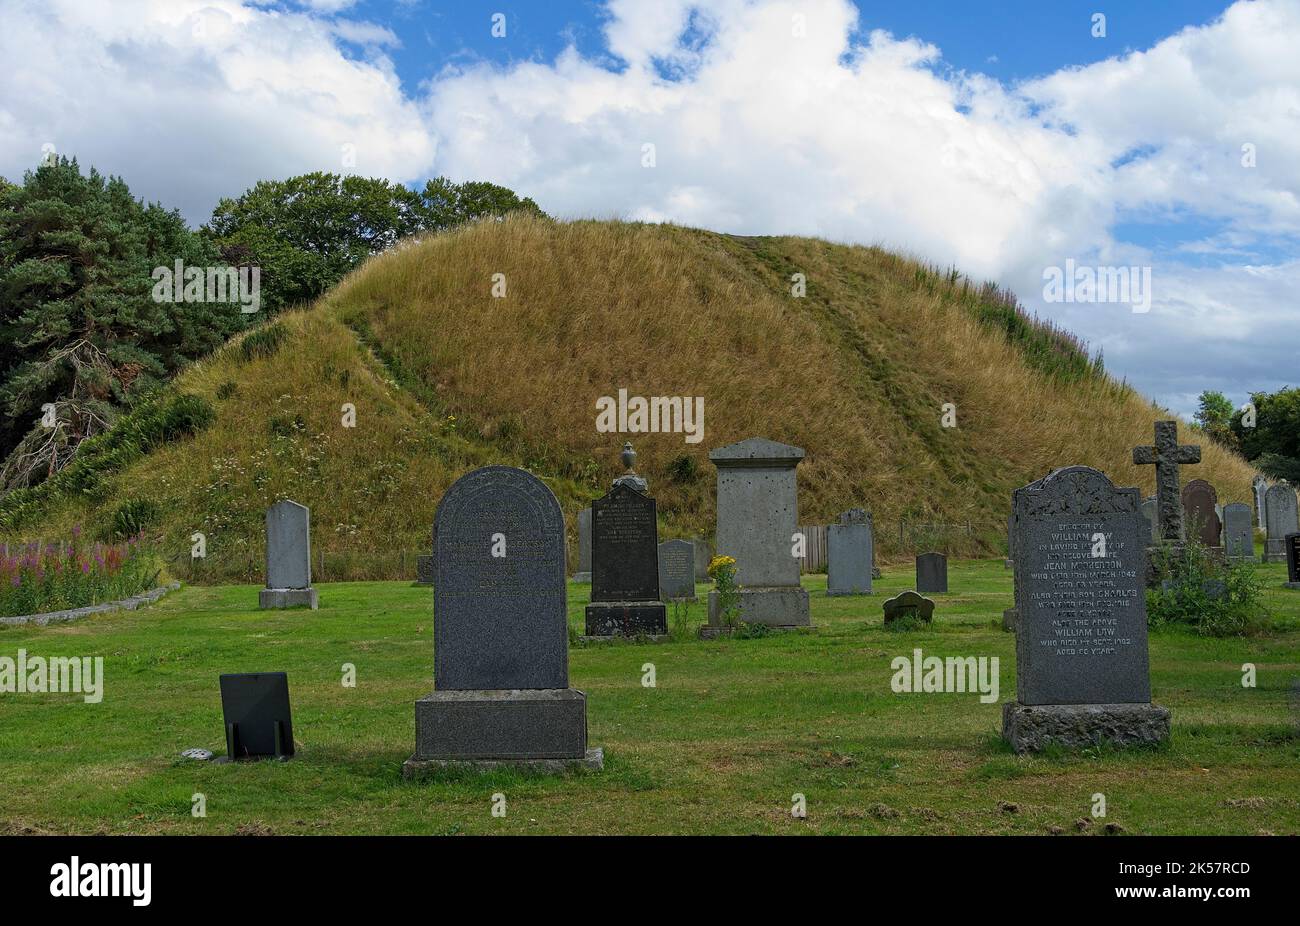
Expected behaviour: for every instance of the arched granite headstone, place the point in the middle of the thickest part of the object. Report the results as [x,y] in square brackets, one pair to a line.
[500,631]
[499,620]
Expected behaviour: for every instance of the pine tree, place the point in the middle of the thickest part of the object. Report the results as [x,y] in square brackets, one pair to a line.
[79,328]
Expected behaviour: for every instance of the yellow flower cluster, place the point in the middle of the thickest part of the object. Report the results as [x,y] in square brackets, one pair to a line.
[720,562]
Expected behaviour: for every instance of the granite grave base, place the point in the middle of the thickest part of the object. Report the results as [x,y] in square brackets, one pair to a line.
[1032,727]
[269,598]
[584,577]
[528,725]
[592,761]
[627,619]
[778,606]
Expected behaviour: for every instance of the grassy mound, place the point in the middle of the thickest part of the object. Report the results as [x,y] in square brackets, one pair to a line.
[445,376]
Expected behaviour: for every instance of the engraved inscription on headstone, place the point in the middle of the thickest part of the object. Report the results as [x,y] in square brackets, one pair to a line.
[1082,636]
[1082,672]
[677,570]
[624,566]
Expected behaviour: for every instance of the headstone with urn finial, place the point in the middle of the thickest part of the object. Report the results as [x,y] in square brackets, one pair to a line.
[625,599]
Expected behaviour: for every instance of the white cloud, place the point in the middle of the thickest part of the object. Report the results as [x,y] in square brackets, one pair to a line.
[756,129]
[192,100]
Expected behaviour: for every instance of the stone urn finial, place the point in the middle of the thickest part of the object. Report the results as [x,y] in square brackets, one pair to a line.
[630,478]
[629,456]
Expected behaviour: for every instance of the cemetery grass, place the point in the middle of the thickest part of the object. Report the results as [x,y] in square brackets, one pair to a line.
[731,731]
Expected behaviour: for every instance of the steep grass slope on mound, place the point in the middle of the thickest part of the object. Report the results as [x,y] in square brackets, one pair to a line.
[444,377]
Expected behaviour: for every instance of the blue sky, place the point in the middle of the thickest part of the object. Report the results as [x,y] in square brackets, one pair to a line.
[1010,142]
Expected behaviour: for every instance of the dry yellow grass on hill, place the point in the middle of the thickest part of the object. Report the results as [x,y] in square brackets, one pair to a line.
[446,376]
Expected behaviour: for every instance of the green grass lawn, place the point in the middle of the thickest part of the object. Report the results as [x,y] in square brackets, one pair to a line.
[733,729]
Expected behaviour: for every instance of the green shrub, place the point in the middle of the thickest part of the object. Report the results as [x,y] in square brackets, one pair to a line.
[1205,592]
[227,390]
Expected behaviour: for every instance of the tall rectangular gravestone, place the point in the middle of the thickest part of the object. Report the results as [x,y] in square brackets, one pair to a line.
[1238,533]
[1082,673]
[1280,512]
[584,546]
[1292,544]
[677,570]
[932,573]
[288,558]
[849,554]
[1259,486]
[758,513]
[500,632]
[625,566]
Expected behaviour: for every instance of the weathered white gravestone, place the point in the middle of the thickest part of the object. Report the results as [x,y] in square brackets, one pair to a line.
[849,554]
[500,632]
[758,513]
[1082,672]
[1280,510]
[288,558]
[1260,486]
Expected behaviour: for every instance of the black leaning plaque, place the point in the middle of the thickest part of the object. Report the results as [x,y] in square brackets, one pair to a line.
[256,710]
[1292,546]
[624,547]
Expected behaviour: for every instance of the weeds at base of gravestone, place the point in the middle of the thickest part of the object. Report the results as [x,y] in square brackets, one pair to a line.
[1182,597]
[680,628]
[904,624]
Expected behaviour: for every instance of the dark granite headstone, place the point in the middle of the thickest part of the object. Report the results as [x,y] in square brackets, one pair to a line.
[677,570]
[932,573]
[1082,673]
[1200,512]
[1292,544]
[500,631]
[424,569]
[624,566]
[908,604]
[499,621]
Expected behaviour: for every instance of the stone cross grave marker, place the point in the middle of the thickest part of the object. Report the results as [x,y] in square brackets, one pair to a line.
[1167,456]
